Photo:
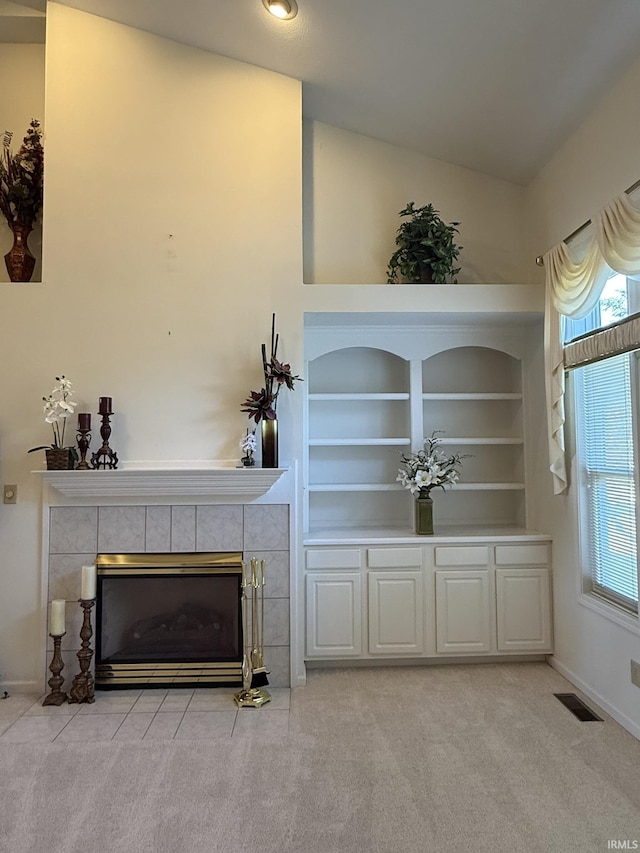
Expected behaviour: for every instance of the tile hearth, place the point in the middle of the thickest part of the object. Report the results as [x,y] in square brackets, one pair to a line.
[136,715]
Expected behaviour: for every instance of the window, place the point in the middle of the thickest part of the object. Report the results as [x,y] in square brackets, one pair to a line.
[605,397]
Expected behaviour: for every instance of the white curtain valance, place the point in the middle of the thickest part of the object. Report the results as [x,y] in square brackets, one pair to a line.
[575,285]
[573,288]
[617,232]
[614,340]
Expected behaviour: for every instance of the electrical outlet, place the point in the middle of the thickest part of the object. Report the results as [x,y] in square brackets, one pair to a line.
[635,673]
[10,494]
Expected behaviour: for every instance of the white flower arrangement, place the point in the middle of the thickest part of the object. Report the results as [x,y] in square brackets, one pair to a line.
[429,468]
[248,445]
[57,408]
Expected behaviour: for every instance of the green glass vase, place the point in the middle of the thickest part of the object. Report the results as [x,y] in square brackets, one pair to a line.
[424,514]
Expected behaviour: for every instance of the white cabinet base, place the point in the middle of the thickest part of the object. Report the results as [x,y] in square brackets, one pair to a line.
[396,613]
[463,612]
[334,608]
[444,598]
[523,609]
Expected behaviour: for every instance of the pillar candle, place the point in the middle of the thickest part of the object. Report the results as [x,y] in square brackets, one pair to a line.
[84,421]
[104,407]
[56,620]
[88,588]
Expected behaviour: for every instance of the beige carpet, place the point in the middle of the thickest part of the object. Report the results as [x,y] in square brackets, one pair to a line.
[395,760]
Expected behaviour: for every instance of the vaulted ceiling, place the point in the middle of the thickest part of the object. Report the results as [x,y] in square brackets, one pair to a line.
[493,85]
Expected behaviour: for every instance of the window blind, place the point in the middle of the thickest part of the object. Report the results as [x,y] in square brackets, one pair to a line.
[605,442]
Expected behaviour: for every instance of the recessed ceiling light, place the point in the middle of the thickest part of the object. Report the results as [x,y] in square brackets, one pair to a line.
[283,9]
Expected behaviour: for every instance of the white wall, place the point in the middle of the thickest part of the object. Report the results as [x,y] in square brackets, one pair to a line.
[145,139]
[21,99]
[597,163]
[355,187]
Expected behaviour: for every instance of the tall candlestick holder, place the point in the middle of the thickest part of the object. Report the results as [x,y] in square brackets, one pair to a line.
[56,696]
[82,688]
[83,437]
[105,457]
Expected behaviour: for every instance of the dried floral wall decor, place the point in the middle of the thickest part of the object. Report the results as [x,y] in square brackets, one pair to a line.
[21,194]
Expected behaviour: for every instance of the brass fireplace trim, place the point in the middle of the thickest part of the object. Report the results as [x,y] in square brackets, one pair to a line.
[165,563]
[177,665]
[126,674]
[147,673]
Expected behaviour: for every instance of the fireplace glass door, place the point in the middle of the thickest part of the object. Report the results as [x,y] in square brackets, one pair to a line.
[168,620]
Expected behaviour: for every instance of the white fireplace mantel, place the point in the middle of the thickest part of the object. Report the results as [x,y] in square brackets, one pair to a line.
[166,479]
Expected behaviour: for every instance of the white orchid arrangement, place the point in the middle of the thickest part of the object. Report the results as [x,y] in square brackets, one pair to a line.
[429,468]
[57,408]
[248,445]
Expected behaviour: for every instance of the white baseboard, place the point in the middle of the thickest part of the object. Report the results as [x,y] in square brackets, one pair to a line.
[632,727]
[363,663]
[20,687]
[299,677]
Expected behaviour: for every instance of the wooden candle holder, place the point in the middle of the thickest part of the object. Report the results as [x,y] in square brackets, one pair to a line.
[82,688]
[105,457]
[56,696]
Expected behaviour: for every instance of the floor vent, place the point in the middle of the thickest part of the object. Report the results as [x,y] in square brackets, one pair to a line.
[577,707]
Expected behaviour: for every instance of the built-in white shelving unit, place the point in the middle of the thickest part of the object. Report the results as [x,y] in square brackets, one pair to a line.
[377,384]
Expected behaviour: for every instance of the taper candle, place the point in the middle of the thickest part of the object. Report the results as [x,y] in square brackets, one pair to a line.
[88,588]
[105,404]
[57,625]
[84,421]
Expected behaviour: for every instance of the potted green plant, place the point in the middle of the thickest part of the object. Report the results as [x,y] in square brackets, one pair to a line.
[427,251]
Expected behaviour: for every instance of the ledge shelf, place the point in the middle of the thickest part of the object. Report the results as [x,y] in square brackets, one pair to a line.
[364,442]
[444,535]
[396,487]
[165,480]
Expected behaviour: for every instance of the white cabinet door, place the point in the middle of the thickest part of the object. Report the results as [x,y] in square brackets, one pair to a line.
[396,623]
[523,603]
[334,621]
[463,611]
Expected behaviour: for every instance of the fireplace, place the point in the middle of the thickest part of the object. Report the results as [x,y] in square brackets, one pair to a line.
[76,534]
[167,620]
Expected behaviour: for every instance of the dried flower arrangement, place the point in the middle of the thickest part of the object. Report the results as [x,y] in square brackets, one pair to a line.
[21,178]
[262,404]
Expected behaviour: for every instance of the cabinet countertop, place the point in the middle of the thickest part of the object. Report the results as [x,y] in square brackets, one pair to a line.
[404,536]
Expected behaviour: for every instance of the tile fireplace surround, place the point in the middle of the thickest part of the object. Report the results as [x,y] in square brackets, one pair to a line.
[88,513]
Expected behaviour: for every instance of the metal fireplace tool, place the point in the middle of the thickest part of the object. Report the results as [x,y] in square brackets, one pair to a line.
[254,673]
